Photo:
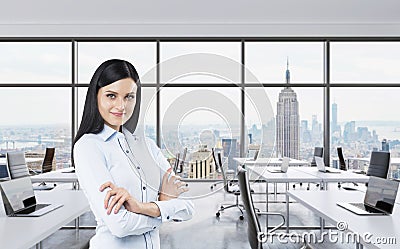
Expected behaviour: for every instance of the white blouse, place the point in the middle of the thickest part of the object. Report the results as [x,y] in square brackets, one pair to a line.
[133,163]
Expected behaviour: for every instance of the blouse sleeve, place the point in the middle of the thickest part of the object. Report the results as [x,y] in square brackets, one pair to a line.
[178,209]
[92,172]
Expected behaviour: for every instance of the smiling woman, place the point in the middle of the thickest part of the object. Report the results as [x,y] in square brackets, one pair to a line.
[128,182]
[116,102]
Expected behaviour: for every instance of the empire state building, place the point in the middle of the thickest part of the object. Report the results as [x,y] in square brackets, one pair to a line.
[287,122]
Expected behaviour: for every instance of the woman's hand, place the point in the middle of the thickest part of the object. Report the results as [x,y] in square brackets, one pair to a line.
[120,197]
[171,186]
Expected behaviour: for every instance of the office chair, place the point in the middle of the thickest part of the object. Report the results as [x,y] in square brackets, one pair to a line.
[233,190]
[16,164]
[18,168]
[47,164]
[253,225]
[217,170]
[379,164]
[319,152]
[343,166]
[342,162]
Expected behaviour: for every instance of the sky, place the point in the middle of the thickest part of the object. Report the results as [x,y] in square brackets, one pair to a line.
[50,62]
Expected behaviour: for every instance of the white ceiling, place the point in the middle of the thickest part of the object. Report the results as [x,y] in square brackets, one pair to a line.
[200,18]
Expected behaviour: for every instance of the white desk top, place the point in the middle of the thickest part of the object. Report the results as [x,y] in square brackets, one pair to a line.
[268,162]
[323,203]
[290,176]
[25,232]
[55,176]
[344,176]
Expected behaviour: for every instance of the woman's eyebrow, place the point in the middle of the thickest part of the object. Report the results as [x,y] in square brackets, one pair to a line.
[109,91]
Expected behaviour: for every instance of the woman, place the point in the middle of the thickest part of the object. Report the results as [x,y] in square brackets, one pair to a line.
[125,177]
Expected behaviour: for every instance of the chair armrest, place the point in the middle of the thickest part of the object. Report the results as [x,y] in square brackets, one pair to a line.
[278,214]
[34,172]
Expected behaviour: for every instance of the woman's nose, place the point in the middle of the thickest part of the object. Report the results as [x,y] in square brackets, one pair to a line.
[121,103]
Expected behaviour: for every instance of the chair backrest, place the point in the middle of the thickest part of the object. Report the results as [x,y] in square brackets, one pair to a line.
[319,152]
[47,164]
[253,225]
[16,164]
[253,154]
[342,162]
[218,164]
[379,164]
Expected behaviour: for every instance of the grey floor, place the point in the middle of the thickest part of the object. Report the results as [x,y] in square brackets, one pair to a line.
[205,230]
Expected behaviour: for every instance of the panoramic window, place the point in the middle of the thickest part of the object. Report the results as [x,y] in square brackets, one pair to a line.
[35,62]
[365,62]
[39,118]
[142,55]
[266,62]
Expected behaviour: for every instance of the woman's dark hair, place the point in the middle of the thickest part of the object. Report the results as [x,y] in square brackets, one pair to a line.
[108,72]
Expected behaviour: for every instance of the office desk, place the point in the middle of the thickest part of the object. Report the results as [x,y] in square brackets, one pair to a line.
[25,232]
[261,173]
[57,176]
[323,203]
[343,176]
[291,175]
[268,162]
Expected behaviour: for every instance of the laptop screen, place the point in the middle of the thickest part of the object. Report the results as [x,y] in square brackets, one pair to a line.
[4,172]
[19,193]
[381,193]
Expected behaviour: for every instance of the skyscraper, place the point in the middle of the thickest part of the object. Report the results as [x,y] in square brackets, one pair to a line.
[335,128]
[334,115]
[385,145]
[287,121]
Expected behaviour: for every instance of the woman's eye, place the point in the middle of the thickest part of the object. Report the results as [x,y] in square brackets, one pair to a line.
[130,97]
[111,96]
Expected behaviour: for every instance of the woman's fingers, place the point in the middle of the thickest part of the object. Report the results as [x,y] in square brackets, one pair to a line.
[114,201]
[181,184]
[121,202]
[166,176]
[106,185]
[184,189]
[108,196]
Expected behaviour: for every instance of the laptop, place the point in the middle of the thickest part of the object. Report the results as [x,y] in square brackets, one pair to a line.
[284,166]
[379,198]
[19,199]
[321,166]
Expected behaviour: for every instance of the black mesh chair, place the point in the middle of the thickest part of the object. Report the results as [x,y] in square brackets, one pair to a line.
[342,162]
[228,187]
[343,166]
[47,164]
[379,164]
[253,225]
[319,152]
[217,170]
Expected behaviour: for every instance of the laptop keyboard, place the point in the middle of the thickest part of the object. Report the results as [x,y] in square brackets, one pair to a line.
[366,208]
[31,209]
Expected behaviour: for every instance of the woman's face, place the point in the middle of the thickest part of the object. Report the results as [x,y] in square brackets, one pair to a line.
[117,101]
